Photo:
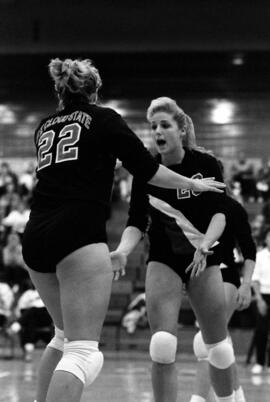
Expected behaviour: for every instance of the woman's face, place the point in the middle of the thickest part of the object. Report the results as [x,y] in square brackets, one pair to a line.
[166,133]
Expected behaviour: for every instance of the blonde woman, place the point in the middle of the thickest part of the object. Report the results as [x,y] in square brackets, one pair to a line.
[184,227]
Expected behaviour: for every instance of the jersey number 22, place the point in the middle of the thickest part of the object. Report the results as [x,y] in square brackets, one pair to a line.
[65,149]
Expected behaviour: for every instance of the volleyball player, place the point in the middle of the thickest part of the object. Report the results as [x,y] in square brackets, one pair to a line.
[237,293]
[184,226]
[64,244]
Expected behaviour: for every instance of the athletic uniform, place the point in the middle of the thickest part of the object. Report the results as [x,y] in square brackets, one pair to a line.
[77,150]
[237,232]
[178,218]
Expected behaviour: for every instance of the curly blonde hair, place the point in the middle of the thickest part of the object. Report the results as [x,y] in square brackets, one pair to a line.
[75,78]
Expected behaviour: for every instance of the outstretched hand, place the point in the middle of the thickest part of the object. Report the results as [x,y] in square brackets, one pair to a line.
[199,262]
[119,262]
[208,184]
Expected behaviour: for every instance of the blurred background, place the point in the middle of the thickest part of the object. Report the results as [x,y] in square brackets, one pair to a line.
[212,57]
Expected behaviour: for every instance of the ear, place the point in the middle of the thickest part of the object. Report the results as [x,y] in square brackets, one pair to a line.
[93,97]
[183,133]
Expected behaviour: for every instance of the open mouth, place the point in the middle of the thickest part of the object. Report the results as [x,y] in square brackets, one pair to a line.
[160,142]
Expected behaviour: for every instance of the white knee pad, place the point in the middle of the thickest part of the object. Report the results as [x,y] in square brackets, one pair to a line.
[57,342]
[221,354]
[83,359]
[163,347]
[199,347]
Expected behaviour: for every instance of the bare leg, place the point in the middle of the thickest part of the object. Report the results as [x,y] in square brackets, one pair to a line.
[85,279]
[163,300]
[48,287]
[208,300]
[202,382]
[231,304]
[49,361]
[230,298]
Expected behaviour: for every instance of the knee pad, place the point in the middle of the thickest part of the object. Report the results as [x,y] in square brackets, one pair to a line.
[221,354]
[83,359]
[199,347]
[57,342]
[163,347]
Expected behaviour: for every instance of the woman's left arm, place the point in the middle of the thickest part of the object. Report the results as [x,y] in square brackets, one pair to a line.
[217,223]
[213,233]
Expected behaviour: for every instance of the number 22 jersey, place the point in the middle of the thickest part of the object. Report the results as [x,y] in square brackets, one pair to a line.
[77,150]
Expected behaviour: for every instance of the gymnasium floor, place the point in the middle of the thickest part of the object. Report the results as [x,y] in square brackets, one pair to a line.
[125,377]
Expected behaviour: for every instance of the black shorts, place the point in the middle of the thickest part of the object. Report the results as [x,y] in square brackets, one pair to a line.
[51,235]
[230,275]
[177,262]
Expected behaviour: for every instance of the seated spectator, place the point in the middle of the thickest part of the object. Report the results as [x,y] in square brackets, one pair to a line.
[27,180]
[261,285]
[263,182]
[10,198]
[6,301]
[18,217]
[243,173]
[236,192]
[135,315]
[2,227]
[32,316]
[6,177]
[13,263]
[257,226]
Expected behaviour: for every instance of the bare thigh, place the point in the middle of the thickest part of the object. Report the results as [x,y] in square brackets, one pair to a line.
[207,298]
[85,278]
[230,299]
[47,286]
[163,297]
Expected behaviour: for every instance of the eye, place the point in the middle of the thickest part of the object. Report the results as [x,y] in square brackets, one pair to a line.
[165,125]
[153,126]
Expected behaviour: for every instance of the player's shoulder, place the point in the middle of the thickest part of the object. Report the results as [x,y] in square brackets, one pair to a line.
[203,156]
[105,111]
[239,208]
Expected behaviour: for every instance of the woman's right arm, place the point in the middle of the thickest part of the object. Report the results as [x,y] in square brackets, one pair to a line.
[135,228]
[130,238]
[166,178]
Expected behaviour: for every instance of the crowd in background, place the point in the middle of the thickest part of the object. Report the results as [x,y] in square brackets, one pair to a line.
[249,185]
[20,304]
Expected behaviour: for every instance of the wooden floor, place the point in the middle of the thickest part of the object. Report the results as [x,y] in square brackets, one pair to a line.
[125,377]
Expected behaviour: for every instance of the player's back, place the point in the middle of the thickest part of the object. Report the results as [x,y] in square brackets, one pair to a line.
[73,161]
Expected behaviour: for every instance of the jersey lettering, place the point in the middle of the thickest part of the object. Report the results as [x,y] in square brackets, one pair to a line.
[182,193]
[65,151]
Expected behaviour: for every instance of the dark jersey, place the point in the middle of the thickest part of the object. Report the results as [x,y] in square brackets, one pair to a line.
[180,217]
[237,233]
[77,150]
